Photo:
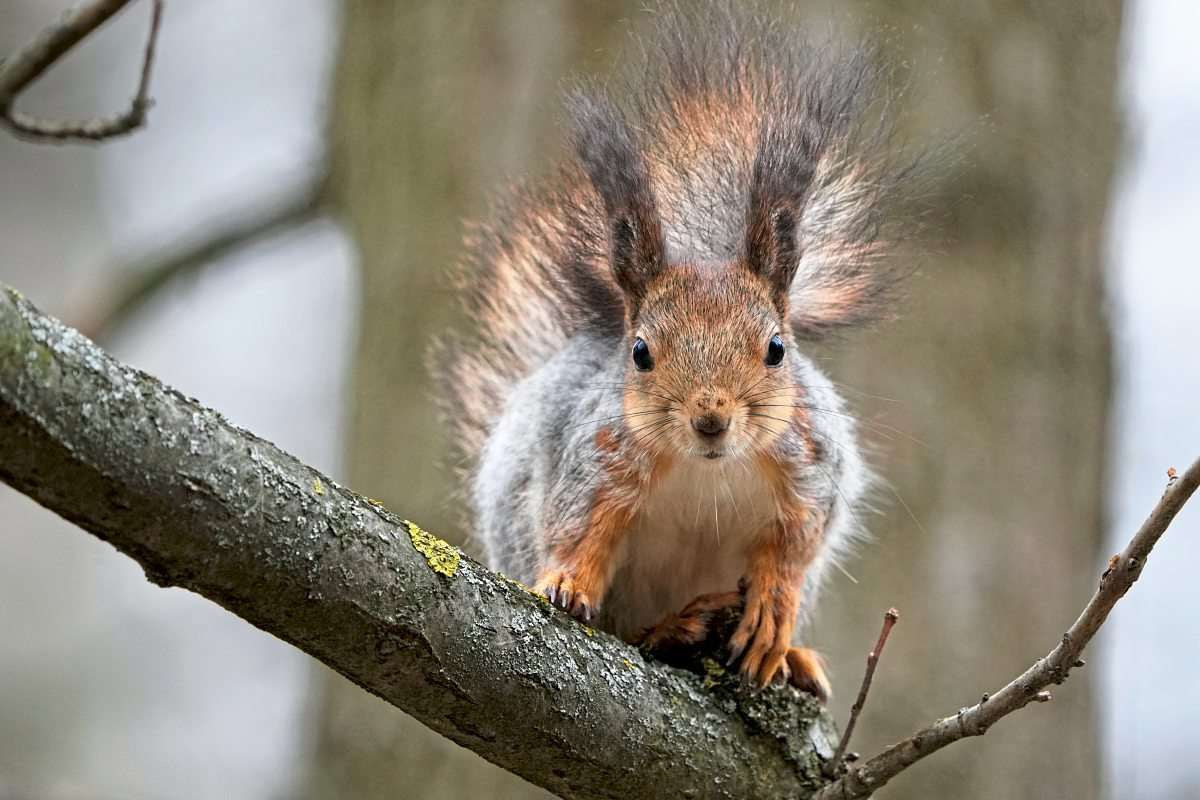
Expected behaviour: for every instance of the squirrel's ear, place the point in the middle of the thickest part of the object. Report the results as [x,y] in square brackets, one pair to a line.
[613,161]
[771,249]
[782,176]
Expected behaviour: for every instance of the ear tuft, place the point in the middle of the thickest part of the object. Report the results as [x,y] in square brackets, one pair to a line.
[612,157]
[772,252]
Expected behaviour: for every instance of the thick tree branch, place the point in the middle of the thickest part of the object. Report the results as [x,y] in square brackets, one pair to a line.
[1123,569]
[27,64]
[203,505]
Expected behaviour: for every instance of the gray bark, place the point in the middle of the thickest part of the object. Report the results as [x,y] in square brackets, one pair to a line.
[205,506]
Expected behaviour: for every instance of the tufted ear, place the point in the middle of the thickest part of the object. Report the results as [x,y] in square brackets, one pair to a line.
[783,173]
[611,157]
[771,249]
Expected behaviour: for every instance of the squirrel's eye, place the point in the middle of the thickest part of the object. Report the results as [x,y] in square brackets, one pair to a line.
[774,352]
[641,355]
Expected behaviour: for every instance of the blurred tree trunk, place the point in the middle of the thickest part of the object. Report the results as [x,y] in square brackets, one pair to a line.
[435,105]
[1000,367]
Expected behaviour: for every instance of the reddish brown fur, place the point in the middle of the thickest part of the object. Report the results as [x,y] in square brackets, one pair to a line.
[775,581]
[583,561]
[676,637]
[690,627]
[736,315]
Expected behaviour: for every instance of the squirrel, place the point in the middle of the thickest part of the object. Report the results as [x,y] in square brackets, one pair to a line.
[645,437]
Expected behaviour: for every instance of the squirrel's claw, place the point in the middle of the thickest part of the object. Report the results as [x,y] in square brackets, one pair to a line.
[561,590]
[746,629]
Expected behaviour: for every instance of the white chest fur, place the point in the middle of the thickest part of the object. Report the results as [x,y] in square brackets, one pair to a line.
[690,538]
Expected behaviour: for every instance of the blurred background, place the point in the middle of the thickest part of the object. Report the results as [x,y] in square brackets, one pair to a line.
[274,244]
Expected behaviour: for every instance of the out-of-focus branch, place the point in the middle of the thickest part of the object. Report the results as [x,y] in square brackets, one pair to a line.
[108,308]
[31,61]
[206,506]
[1123,569]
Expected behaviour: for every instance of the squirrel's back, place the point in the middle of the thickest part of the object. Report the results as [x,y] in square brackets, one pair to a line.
[717,95]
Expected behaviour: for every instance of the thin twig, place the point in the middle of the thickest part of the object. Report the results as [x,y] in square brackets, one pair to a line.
[30,62]
[834,765]
[1123,569]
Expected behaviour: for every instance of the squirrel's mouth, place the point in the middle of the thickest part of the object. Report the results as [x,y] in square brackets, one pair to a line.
[713,454]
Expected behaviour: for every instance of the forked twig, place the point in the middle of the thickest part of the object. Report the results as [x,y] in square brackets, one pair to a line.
[31,61]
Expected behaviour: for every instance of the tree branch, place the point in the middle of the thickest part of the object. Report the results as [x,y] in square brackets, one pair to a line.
[834,765]
[1123,569]
[31,61]
[206,506]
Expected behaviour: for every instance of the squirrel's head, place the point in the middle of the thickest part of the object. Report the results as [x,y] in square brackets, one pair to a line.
[708,343]
[708,363]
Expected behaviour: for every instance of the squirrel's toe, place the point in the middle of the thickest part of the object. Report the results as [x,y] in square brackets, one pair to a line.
[561,590]
[807,670]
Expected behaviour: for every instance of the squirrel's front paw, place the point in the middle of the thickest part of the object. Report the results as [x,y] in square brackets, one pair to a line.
[563,590]
[763,638]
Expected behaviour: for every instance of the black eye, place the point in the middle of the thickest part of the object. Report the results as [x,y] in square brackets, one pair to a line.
[774,352]
[641,355]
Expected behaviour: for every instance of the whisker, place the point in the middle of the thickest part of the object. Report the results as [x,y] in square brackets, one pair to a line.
[842,570]
[751,388]
[880,428]
[848,388]
[768,416]
[631,388]
[626,415]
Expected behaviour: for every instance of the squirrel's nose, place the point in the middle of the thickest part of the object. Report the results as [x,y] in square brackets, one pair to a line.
[711,423]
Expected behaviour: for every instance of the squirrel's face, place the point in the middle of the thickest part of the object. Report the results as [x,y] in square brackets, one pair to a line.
[708,364]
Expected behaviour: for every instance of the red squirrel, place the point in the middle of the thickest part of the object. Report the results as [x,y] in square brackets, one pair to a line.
[641,423]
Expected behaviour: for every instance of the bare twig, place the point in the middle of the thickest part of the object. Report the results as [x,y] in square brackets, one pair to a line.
[833,766]
[31,61]
[1123,569]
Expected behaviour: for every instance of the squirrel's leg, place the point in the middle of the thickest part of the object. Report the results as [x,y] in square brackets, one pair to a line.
[582,565]
[775,583]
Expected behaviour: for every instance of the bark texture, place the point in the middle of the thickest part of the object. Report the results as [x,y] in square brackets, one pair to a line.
[205,506]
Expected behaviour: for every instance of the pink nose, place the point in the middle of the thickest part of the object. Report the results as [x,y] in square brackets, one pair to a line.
[710,424]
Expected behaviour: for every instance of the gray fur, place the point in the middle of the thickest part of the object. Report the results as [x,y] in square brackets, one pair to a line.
[538,472]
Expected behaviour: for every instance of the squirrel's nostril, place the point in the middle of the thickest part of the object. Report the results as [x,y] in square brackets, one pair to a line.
[710,424]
